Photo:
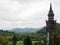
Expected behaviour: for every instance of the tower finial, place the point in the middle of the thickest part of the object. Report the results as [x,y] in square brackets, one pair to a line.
[50,14]
[50,7]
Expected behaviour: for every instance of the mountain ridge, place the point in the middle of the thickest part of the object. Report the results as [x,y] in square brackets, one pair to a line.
[18,30]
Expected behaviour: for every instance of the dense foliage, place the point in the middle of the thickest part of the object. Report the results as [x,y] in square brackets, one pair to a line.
[3,40]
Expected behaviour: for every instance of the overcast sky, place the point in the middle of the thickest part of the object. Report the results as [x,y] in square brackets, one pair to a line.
[26,13]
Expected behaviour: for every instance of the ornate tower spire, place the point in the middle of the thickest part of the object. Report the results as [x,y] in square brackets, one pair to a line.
[50,14]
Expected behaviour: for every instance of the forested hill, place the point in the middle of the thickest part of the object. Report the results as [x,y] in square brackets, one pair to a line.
[6,33]
[38,35]
[43,29]
[32,30]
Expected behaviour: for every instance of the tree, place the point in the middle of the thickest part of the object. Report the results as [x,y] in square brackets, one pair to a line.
[27,41]
[14,40]
[3,40]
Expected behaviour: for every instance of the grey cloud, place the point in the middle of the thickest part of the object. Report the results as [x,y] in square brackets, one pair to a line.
[26,0]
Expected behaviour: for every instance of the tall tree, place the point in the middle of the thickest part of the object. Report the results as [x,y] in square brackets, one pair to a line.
[27,41]
[14,40]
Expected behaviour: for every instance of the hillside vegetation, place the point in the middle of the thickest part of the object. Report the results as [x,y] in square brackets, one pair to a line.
[39,35]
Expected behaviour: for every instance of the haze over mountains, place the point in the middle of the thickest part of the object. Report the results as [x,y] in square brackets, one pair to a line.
[28,30]
[17,30]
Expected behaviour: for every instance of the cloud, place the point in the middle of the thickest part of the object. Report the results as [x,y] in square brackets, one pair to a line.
[25,13]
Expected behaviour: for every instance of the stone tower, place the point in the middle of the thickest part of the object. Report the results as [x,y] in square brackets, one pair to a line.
[50,27]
